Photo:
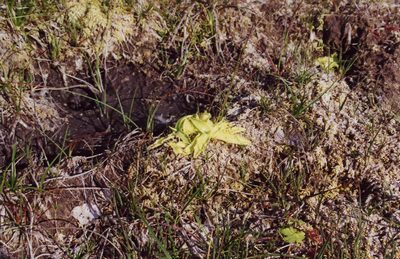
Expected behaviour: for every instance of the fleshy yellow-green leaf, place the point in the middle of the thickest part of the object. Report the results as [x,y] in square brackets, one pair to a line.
[179,148]
[292,235]
[183,137]
[185,126]
[205,116]
[198,145]
[225,132]
[192,133]
[231,138]
[161,141]
[203,125]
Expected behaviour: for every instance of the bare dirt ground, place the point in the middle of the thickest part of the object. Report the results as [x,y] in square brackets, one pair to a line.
[87,86]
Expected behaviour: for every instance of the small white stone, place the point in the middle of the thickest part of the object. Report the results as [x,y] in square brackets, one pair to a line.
[85,213]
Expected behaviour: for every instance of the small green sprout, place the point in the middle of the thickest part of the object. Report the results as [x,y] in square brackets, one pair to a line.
[192,133]
[292,235]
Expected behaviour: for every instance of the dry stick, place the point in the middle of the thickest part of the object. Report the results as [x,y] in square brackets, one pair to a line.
[76,188]
[92,88]
[69,177]
[184,18]
[28,234]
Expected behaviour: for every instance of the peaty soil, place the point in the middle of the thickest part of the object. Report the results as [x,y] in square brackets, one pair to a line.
[369,40]
[87,121]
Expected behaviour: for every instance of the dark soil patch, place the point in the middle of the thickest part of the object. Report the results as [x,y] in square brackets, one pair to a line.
[132,98]
[370,41]
[94,121]
[344,34]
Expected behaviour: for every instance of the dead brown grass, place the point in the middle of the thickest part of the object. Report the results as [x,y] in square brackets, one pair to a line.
[86,87]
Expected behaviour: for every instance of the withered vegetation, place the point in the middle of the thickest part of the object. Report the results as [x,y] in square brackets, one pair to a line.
[86,86]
